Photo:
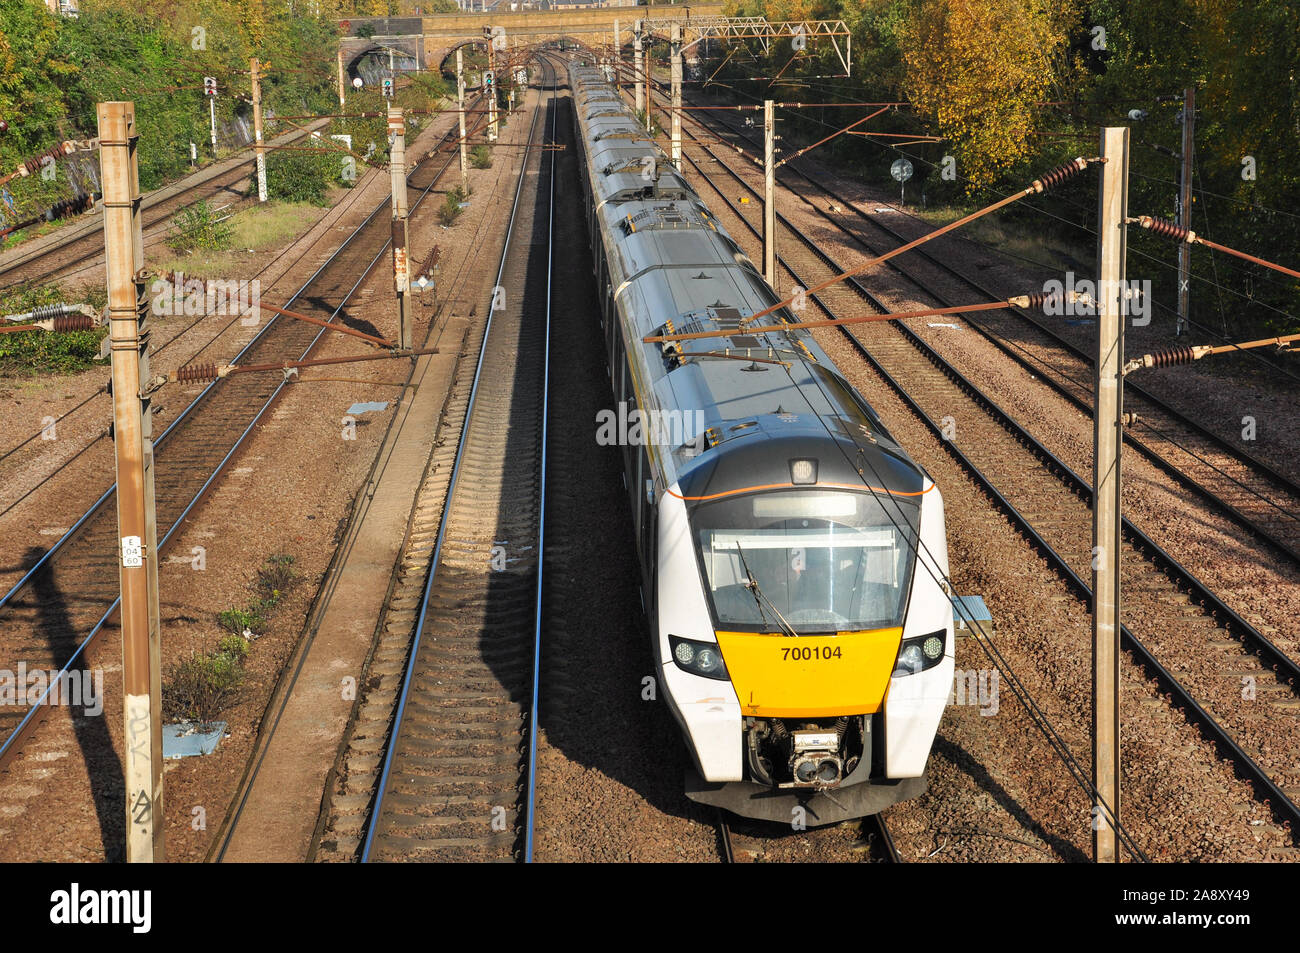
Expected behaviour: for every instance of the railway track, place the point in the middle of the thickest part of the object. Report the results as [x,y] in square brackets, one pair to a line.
[1250,491]
[1050,503]
[81,249]
[50,618]
[459,769]
[875,842]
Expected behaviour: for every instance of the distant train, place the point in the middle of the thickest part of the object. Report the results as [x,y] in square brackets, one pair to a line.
[792,554]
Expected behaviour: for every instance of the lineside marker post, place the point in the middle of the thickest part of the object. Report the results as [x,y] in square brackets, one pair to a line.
[401,268]
[1108,439]
[676,147]
[133,446]
[1185,207]
[253,68]
[769,192]
[460,100]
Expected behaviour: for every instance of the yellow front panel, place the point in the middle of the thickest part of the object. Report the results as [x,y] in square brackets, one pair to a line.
[812,676]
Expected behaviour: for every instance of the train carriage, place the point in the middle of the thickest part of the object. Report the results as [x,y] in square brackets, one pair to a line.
[792,554]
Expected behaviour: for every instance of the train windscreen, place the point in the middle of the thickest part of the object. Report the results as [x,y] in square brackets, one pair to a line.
[807,561]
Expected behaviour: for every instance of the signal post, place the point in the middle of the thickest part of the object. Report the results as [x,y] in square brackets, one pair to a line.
[401,268]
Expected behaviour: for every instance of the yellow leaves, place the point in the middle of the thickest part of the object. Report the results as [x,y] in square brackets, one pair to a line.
[977,70]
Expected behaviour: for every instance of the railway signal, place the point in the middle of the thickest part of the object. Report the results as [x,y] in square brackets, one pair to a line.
[401,266]
[460,106]
[133,444]
[210,91]
[388,88]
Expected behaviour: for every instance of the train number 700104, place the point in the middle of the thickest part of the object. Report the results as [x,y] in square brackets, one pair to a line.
[807,653]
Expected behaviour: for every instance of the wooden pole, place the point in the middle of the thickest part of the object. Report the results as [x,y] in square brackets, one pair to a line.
[133,445]
[1185,208]
[253,68]
[769,192]
[401,269]
[1106,510]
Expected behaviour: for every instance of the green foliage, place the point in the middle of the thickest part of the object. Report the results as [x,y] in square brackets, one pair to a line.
[1015,87]
[276,578]
[34,352]
[237,621]
[234,646]
[55,70]
[200,227]
[301,176]
[450,209]
[480,157]
[201,686]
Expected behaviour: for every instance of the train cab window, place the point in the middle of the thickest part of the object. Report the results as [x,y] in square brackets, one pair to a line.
[817,561]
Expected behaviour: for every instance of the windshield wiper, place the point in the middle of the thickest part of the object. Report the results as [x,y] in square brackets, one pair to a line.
[760,597]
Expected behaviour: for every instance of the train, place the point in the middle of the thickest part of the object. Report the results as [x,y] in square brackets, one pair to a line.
[793,557]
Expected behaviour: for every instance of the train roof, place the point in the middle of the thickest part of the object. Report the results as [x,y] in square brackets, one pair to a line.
[674,269]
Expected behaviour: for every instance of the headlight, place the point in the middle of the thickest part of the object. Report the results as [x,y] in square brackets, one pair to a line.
[698,658]
[919,653]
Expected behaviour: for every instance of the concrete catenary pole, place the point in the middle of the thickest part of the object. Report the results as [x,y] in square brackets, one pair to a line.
[1106,512]
[254,67]
[460,102]
[645,78]
[401,268]
[769,192]
[618,57]
[675,152]
[637,80]
[133,445]
[1185,208]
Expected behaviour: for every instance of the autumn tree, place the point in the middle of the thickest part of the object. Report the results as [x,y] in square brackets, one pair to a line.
[979,70]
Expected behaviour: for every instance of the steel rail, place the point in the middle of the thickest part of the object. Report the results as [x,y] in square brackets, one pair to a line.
[452,485]
[530,821]
[883,837]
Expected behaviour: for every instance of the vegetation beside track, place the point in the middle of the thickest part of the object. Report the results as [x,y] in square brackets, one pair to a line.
[1015,87]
